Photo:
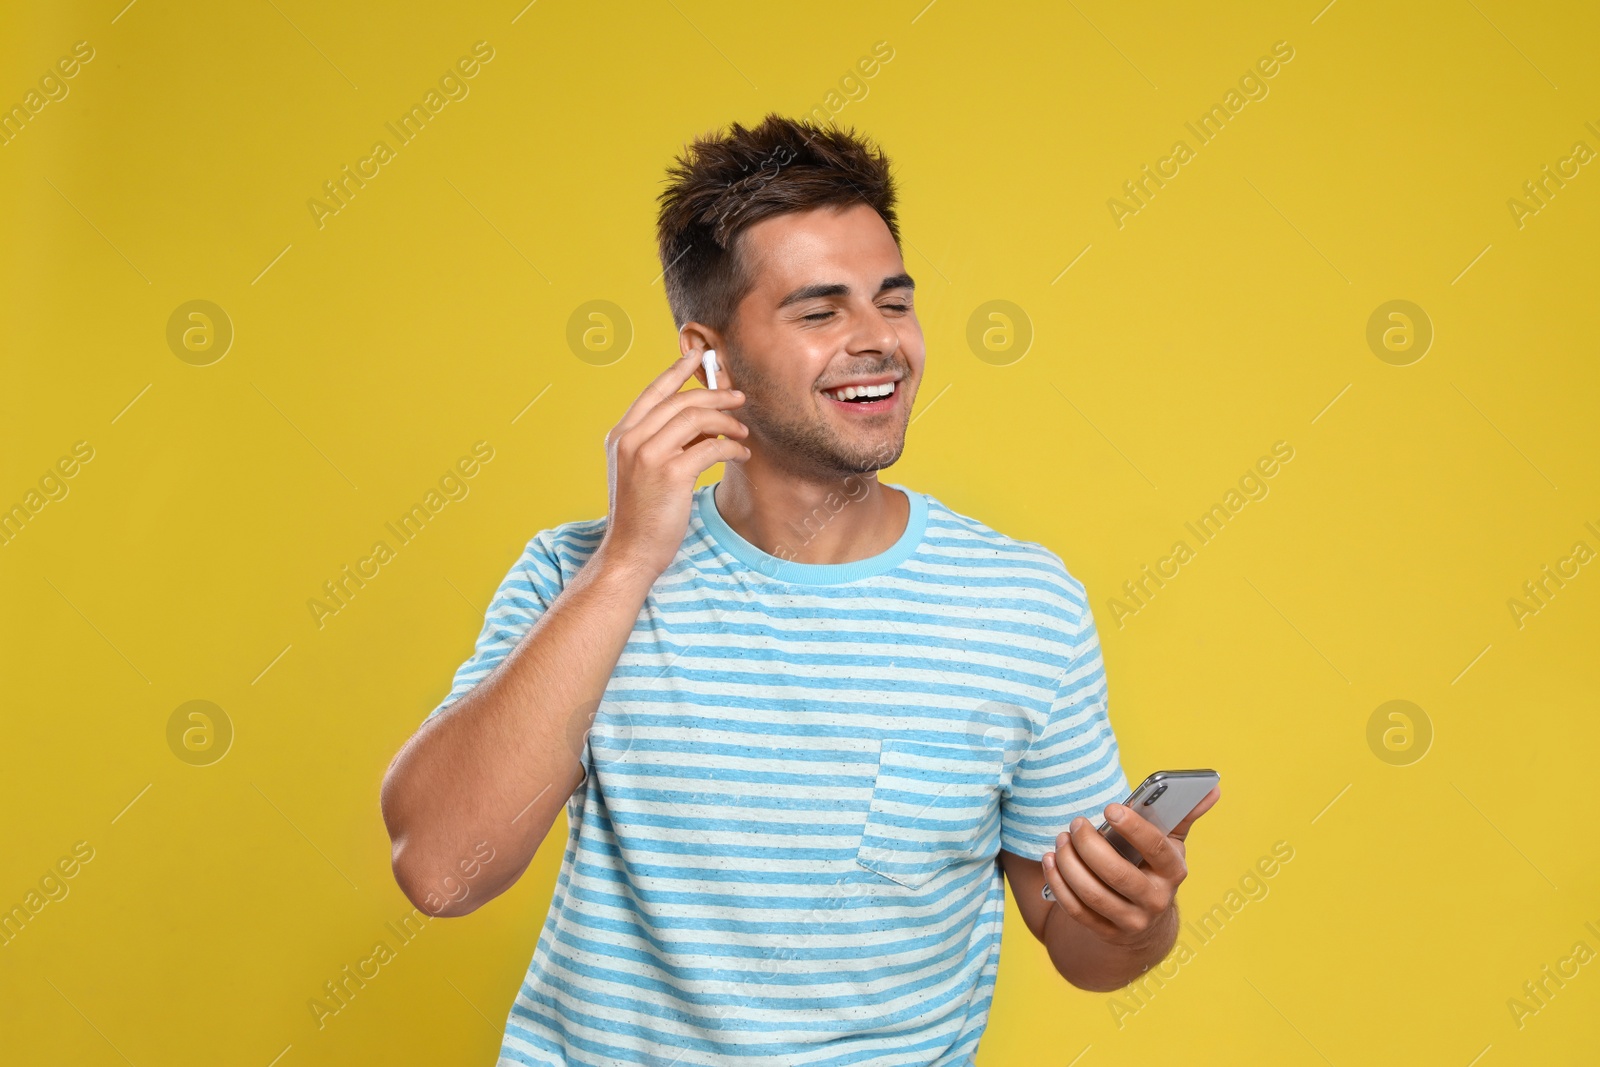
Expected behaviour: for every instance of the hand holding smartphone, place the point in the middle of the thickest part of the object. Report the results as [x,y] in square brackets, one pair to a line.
[1164,800]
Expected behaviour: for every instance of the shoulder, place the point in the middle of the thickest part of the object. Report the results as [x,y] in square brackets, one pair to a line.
[1026,571]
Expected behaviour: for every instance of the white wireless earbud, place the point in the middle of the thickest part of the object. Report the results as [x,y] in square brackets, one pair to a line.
[708,360]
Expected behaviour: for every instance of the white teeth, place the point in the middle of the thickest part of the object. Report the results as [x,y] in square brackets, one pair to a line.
[850,392]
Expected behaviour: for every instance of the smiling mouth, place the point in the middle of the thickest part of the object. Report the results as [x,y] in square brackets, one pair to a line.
[865,399]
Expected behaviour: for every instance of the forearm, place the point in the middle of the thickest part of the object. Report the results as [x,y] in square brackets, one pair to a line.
[1090,963]
[499,763]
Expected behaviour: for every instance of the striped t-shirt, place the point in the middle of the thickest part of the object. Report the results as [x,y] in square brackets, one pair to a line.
[798,778]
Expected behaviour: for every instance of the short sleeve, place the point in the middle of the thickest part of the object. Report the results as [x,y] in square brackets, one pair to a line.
[526,592]
[1073,766]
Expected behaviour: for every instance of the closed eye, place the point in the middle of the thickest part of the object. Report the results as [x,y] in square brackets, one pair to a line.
[819,316]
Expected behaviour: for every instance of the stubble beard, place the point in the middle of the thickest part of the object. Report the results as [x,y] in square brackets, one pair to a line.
[809,446]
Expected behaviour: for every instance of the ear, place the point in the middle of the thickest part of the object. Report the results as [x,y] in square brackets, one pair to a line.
[697,337]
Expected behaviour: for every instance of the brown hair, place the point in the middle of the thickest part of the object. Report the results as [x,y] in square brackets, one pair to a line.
[723,183]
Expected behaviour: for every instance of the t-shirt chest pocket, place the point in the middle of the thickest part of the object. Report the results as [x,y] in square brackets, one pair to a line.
[932,804]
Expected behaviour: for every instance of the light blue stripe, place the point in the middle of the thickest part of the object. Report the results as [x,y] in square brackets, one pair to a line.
[715,808]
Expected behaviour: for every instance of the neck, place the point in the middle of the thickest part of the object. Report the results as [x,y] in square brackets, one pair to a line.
[830,518]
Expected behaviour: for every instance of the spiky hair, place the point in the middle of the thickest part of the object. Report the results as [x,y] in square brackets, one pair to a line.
[725,182]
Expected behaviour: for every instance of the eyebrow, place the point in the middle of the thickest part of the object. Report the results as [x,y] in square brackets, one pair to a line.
[814,292]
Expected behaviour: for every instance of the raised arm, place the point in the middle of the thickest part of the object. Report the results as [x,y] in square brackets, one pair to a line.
[470,797]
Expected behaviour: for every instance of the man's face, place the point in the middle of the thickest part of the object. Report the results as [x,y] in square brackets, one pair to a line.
[831,307]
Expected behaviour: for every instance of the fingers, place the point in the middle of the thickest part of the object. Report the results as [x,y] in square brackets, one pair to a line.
[1206,804]
[1143,835]
[665,384]
[1106,882]
[709,453]
[1069,902]
[683,429]
[681,406]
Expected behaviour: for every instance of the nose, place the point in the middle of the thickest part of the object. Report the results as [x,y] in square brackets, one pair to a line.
[877,335]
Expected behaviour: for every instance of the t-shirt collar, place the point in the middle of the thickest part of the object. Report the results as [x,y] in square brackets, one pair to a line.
[784,570]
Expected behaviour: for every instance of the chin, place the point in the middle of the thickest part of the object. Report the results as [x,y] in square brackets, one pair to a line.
[817,447]
[874,460]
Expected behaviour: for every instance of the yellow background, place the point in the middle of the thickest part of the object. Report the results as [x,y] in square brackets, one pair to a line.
[1226,315]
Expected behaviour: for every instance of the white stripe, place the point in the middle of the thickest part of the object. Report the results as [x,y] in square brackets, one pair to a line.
[765,797]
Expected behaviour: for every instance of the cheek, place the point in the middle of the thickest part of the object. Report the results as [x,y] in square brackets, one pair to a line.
[794,370]
[912,345]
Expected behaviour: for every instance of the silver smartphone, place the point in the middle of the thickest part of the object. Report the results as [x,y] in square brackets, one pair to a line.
[1164,799]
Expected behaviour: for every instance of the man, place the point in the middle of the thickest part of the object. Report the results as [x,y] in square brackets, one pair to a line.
[801,721]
